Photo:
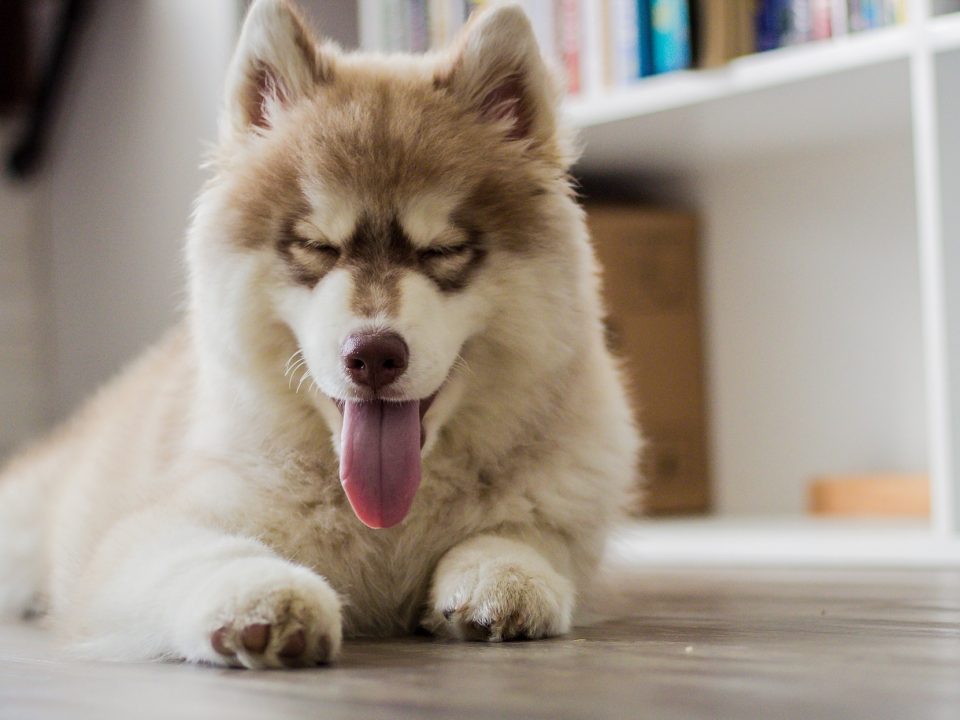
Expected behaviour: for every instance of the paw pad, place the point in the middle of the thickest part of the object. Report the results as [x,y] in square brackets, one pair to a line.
[259,645]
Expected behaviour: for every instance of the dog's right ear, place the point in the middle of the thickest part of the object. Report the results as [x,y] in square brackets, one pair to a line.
[277,62]
[497,71]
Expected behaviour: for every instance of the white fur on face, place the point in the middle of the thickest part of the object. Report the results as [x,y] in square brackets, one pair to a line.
[434,325]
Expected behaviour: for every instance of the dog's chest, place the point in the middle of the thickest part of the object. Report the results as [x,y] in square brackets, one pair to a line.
[383,575]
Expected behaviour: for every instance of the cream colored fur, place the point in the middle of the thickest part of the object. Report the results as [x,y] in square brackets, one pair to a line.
[199,490]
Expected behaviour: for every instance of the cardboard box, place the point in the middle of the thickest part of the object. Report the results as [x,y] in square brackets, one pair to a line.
[652,290]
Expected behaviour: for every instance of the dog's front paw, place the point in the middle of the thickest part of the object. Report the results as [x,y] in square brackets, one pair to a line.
[284,617]
[497,589]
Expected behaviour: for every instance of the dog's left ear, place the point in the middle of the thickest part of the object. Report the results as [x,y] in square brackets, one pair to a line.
[498,71]
[277,61]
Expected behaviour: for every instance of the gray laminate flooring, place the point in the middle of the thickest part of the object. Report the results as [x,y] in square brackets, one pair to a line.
[681,644]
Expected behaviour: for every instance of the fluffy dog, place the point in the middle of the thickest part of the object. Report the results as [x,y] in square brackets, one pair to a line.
[389,404]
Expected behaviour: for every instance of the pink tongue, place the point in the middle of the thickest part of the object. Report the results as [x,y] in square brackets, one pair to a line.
[380,459]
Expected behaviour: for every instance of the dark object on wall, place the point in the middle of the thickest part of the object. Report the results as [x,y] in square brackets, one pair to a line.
[652,290]
[26,154]
[14,53]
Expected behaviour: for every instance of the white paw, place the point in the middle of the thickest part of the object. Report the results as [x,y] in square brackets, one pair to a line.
[266,614]
[497,589]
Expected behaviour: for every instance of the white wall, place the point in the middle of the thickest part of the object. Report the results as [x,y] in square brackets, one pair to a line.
[24,402]
[124,168]
[813,314]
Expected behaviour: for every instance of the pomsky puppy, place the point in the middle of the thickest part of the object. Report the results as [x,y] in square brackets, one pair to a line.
[389,405]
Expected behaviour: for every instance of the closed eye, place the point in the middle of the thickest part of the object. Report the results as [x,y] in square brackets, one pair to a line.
[443,251]
[317,246]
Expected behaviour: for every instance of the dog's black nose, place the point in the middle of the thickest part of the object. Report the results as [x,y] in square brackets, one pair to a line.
[375,359]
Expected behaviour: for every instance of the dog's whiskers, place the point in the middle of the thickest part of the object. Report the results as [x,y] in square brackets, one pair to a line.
[461,363]
[306,374]
[289,362]
[290,373]
[300,363]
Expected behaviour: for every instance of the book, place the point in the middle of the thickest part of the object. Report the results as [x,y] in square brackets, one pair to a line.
[541,14]
[444,19]
[724,31]
[797,23]
[839,18]
[821,17]
[569,33]
[644,39]
[670,31]
[419,29]
[623,52]
[771,23]
[611,43]
[395,26]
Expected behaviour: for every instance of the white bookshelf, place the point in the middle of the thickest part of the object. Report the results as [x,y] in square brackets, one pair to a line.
[823,175]
[879,110]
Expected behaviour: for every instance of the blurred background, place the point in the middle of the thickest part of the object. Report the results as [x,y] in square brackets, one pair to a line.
[768,183]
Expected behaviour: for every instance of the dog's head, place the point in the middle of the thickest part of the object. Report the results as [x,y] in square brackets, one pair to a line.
[369,217]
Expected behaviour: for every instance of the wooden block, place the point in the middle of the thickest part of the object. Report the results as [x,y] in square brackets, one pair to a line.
[888,495]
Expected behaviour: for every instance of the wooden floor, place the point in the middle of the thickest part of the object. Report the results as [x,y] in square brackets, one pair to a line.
[718,644]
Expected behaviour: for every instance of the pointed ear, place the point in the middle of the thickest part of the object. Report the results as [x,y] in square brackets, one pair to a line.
[277,61]
[497,71]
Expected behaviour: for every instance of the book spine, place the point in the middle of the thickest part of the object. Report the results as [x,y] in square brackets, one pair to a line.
[623,49]
[419,26]
[644,39]
[437,20]
[820,20]
[541,17]
[446,18]
[568,42]
[770,23]
[607,43]
[798,26]
[862,13]
[670,23]
[371,34]
[903,12]
[592,46]
[396,26]
[895,11]
[839,18]
[744,37]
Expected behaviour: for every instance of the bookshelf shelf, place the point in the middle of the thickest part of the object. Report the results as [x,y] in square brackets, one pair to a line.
[945,32]
[781,541]
[763,106]
[744,75]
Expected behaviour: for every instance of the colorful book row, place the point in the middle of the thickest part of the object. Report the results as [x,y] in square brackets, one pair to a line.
[609,43]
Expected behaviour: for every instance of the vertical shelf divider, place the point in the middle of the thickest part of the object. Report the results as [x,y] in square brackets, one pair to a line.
[923,90]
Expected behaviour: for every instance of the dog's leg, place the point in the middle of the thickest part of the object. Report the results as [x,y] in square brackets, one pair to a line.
[27,493]
[162,587]
[499,588]
[22,561]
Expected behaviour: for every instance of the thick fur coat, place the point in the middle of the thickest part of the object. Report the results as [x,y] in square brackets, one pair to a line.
[194,508]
